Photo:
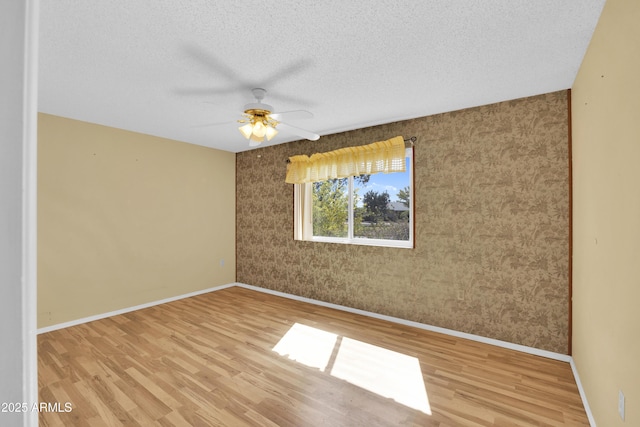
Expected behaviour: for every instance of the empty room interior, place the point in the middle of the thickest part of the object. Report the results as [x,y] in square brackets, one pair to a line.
[345,213]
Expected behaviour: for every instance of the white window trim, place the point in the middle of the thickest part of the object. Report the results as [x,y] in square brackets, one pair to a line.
[303,221]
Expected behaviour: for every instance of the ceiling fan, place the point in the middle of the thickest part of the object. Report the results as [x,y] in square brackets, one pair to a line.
[260,121]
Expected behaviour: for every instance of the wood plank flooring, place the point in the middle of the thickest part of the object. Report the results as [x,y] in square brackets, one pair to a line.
[209,360]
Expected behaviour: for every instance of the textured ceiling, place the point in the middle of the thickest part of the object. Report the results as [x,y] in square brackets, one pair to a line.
[169,68]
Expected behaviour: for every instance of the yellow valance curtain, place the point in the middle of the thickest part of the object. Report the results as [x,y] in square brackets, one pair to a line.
[383,156]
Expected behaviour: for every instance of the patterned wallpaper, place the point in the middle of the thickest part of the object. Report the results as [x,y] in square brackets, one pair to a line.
[492,226]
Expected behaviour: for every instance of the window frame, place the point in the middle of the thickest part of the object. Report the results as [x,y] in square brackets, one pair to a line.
[307,235]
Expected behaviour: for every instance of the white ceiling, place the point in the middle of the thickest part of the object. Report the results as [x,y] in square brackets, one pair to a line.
[168,67]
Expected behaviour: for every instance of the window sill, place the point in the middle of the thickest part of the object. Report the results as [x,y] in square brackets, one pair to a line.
[404,244]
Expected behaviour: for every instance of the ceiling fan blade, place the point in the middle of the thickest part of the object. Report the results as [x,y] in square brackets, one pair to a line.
[292,115]
[213,63]
[297,131]
[286,71]
[206,91]
[291,99]
[213,124]
[228,112]
[236,81]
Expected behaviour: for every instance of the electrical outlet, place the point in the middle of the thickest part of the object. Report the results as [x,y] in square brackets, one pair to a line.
[621,404]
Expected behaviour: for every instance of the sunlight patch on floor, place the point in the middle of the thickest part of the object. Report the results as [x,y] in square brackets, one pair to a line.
[310,346]
[382,371]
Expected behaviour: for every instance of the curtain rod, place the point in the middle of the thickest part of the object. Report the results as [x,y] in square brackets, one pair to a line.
[409,141]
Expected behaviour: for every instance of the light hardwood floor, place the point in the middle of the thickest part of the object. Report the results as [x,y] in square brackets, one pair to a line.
[209,360]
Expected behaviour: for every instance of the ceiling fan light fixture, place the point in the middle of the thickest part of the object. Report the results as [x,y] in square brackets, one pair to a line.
[260,124]
[246,130]
[255,140]
[259,129]
[271,132]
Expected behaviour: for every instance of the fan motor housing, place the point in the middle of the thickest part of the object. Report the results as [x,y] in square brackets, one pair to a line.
[257,108]
[257,112]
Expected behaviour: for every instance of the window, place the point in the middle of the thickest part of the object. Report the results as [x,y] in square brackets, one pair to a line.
[372,209]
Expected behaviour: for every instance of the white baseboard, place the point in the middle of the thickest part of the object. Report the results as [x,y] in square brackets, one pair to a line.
[583,395]
[451,332]
[472,337]
[129,309]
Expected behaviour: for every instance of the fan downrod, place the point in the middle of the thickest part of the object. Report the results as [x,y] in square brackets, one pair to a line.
[259,93]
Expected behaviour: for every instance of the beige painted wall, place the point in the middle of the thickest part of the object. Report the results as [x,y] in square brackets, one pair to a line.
[126,218]
[491,250]
[606,261]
